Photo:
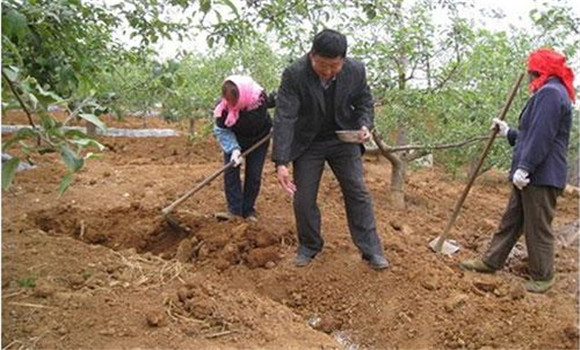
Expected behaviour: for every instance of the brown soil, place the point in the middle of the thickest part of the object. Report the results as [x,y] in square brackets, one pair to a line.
[100,268]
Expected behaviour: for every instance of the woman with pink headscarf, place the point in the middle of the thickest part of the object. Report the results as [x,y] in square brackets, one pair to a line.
[538,172]
[242,119]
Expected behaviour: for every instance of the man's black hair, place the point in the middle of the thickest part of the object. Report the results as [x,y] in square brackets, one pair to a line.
[329,43]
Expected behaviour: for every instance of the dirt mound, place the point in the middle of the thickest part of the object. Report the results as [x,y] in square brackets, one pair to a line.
[184,238]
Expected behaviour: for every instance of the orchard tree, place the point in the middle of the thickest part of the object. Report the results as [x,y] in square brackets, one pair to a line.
[52,51]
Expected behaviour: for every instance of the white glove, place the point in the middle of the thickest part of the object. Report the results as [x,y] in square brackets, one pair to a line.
[520,179]
[501,126]
[236,157]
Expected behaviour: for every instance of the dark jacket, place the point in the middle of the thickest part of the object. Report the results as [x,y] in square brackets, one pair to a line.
[251,125]
[541,143]
[300,106]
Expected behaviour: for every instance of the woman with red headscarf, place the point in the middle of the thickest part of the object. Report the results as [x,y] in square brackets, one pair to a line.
[538,171]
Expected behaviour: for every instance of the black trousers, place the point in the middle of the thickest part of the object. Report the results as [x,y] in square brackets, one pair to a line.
[346,164]
[529,211]
[242,198]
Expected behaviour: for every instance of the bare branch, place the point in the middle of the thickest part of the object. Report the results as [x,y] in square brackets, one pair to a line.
[22,104]
[445,79]
[412,71]
[417,154]
[384,148]
[390,149]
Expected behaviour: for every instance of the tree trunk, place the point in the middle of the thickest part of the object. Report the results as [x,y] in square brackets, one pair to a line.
[91,129]
[398,176]
[191,128]
[399,173]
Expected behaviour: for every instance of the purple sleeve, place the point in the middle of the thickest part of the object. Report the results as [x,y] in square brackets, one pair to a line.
[542,129]
[512,136]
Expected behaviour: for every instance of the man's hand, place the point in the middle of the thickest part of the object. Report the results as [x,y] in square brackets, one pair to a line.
[365,134]
[236,157]
[284,179]
[502,126]
[520,179]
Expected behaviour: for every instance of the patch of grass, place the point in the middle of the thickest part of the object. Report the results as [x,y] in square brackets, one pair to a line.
[87,274]
[28,282]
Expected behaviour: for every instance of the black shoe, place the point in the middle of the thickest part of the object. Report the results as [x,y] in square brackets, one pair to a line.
[302,260]
[377,262]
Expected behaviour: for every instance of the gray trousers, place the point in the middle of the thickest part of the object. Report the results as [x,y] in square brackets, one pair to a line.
[346,164]
[529,211]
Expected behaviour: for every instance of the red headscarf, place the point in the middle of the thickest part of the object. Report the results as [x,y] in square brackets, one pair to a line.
[548,63]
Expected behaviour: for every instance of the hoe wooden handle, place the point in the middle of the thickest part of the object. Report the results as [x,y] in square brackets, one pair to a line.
[494,132]
[210,178]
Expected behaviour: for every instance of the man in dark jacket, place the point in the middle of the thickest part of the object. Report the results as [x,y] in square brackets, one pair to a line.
[538,171]
[321,93]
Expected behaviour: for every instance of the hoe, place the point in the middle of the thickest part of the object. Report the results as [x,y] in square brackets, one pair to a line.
[167,211]
[440,244]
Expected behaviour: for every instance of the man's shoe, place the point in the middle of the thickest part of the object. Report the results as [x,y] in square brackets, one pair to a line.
[476,265]
[225,215]
[252,218]
[302,260]
[539,286]
[377,262]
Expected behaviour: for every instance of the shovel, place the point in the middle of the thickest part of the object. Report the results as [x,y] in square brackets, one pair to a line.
[440,244]
[167,210]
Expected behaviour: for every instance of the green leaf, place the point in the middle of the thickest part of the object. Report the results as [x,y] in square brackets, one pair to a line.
[20,135]
[86,142]
[47,122]
[232,6]
[14,24]
[75,134]
[92,155]
[71,160]
[65,183]
[93,119]
[205,5]
[49,94]
[11,74]
[8,171]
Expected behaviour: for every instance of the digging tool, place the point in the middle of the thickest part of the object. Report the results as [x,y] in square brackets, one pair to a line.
[166,211]
[440,244]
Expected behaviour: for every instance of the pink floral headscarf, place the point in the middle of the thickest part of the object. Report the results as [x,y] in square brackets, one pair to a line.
[250,93]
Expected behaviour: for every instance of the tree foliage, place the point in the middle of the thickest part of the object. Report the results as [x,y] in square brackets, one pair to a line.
[433,81]
[52,52]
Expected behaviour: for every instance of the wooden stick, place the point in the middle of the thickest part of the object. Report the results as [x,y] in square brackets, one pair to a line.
[31,305]
[475,171]
[210,178]
[219,334]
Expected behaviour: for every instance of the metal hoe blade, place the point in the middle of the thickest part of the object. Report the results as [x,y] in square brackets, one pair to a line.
[450,246]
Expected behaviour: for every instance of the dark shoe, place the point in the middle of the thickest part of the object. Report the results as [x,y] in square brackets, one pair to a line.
[476,265]
[539,286]
[302,260]
[377,262]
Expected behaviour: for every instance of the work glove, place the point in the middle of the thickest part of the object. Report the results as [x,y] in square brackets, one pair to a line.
[501,126]
[236,157]
[520,179]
